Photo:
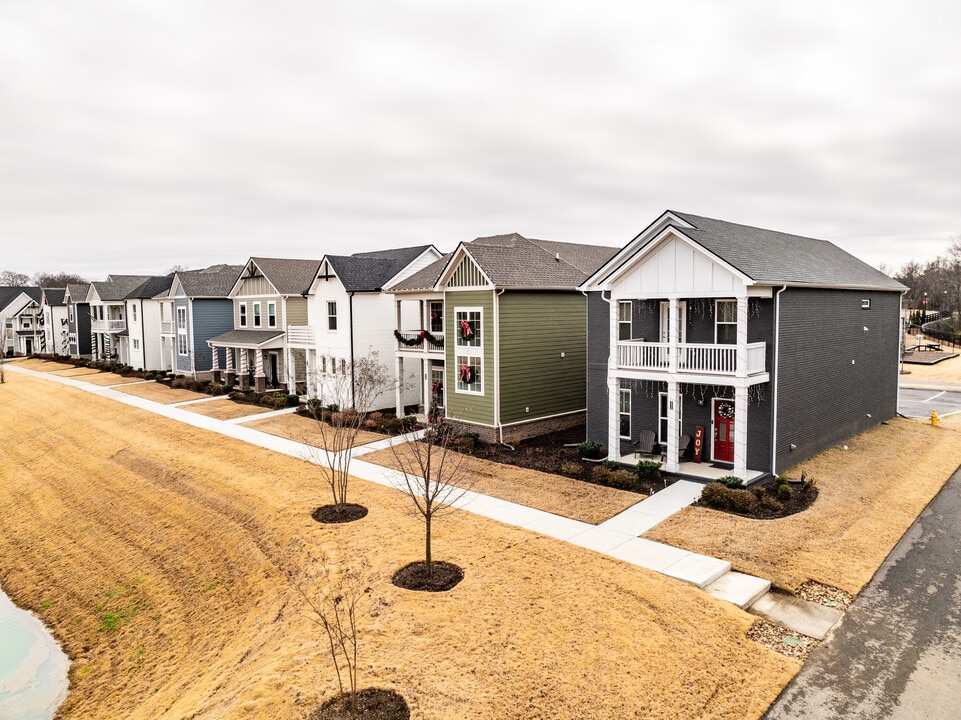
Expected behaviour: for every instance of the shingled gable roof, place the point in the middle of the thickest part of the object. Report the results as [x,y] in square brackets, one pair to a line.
[212,282]
[370,271]
[769,257]
[151,287]
[515,261]
[54,296]
[116,287]
[78,291]
[9,294]
[424,279]
[288,276]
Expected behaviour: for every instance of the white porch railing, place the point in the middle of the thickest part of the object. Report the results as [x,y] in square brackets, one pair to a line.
[166,327]
[419,343]
[300,335]
[691,358]
[108,326]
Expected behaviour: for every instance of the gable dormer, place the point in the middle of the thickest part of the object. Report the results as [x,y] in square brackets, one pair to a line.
[465,274]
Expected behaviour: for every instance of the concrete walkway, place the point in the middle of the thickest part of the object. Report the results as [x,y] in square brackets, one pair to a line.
[616,537]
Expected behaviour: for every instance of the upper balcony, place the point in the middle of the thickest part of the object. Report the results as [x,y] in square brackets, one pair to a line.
[419,341]
[705,359]
[108,326]
[301,336]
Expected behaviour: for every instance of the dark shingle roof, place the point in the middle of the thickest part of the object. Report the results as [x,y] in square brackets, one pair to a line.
[54,295]
[423,279]
[151,286]
[768,256]
[288,276]
[515,261]
[78,291]
[9,294]
[213,282]
[246,337]
[116,287]
[368,271]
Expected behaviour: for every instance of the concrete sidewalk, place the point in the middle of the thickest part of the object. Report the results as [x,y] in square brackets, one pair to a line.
[616,537]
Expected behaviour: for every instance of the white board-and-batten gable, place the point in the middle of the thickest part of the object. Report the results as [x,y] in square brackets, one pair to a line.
[673,265]
[252,283]
[463,273]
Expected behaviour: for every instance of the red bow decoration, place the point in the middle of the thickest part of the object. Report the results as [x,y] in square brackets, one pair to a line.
[421,334]
[466,329]
[466,374]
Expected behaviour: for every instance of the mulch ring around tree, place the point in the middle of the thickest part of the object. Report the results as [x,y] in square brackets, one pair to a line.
[343,513]
[372,704]
[443,576]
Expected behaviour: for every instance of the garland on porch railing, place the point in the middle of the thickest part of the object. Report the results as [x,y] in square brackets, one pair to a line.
[421,336]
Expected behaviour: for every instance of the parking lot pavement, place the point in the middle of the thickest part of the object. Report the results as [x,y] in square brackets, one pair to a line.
[920,403]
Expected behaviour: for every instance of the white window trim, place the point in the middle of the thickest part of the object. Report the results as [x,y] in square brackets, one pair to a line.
[622,393]
[331,316]
[242,315]
[469,349]
[473,359]
[272,314]
[258,320]
[717,319]
[629,322]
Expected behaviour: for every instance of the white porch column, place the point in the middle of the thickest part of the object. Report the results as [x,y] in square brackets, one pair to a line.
[244,363]
[740,431]
[399,374]
[613,418]
[673,434]
[673,332]
[259,363]
[426,392]
[311,371]
[230,359]
[215,359]
[740,369]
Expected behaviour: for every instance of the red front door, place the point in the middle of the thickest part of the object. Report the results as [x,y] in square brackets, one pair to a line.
[724,431]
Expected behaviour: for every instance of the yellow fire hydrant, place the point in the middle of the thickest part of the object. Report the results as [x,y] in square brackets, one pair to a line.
[934,418]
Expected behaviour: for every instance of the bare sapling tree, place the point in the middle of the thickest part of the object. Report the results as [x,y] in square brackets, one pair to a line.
[434,476]
[344,400]
[338,601]
[3,370]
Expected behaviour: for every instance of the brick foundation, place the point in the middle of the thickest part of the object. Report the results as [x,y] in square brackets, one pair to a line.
[522,431]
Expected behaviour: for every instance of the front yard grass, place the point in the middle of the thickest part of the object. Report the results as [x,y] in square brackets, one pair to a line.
[213,533]
[868,496]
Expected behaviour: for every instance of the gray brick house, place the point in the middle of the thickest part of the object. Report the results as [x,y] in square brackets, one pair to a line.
[761,348]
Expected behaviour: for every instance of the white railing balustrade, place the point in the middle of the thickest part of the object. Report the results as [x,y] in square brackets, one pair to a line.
[300,335]
[166,328]
[691,357]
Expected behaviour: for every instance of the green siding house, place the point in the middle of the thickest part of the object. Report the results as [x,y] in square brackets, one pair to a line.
[495,334]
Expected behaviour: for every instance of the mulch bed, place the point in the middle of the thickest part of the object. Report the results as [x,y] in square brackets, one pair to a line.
[372,704]
[547,453]
[344,513]
[443,576]
[926,357]
[772,508]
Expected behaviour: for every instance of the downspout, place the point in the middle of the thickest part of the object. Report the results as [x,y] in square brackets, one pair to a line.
[611,352]
[143,338]
[777,375]
[350,312]
[497,373]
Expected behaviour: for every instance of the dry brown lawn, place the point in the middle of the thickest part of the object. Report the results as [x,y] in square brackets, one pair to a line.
[162,558]
[572,499]
[305,430]
[42,365]
[226,409]
[106,378]
[158,392]
[945,371]
[869,496]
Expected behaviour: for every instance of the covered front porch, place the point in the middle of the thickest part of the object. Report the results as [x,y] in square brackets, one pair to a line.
[704,471]
[253,358]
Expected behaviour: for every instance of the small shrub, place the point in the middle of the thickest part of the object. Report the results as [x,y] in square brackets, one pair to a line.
[375,416]
[620,478]
[731,481]
[370,424]
[808,484]
[562,453]
[771,506]
[759,493]
[590,449]
[390,425]
[571,469]
[648,471]
[610,464]
[784,492]
[721,497]
[780,481]
[178,384]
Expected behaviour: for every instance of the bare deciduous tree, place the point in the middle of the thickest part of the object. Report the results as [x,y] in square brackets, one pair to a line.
[341,411]
[10,278]
[338,601]
[434,474]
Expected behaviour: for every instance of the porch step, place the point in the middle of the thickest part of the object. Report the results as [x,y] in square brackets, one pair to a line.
[738,588]
[796,614]
[699,570]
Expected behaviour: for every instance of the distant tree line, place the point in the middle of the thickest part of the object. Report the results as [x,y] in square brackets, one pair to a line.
[10,278]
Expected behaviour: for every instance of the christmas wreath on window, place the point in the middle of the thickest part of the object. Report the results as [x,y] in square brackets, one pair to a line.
[467,375]
[466,329]
[725,410]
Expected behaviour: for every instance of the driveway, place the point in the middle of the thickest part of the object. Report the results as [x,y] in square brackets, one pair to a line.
[919,403]
[896,653]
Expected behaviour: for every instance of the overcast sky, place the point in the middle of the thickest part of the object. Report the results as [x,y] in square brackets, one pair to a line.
[135,136]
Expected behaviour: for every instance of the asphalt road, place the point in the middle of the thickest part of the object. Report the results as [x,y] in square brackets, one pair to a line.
[896,653]
[920,403]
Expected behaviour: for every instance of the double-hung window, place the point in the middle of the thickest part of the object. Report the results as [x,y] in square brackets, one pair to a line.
[271,314]
[331,315]
[256,314]
[624,412]
[725,322]
[624,329]
[469,350]
[243,314]
[182,331]
[437,316]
